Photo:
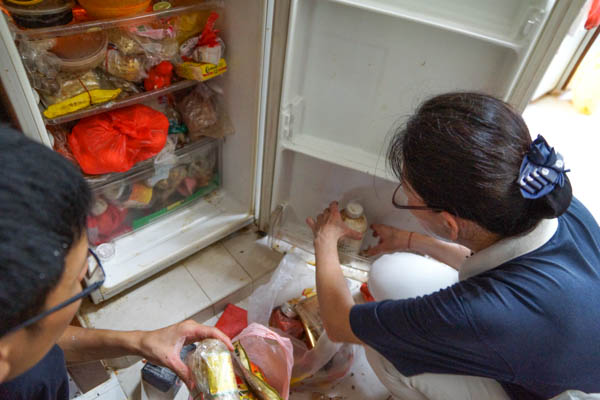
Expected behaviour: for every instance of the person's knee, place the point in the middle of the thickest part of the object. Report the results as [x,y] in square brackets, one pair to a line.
[405,275]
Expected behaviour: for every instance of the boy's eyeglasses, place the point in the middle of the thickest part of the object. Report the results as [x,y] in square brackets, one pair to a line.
[94,269]
[398,204]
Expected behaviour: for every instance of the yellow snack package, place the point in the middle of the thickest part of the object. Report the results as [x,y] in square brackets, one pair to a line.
[212,369]
[200,71]
[82,100]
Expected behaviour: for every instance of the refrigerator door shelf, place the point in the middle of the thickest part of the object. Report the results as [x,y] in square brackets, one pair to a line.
[354,69]
[102,24]
[159,245]
[507,23]
[120,103]
[289,233]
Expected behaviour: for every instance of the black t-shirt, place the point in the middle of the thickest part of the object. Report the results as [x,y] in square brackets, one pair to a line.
[47,380]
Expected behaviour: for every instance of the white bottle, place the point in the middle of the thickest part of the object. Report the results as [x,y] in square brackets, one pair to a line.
[353,216]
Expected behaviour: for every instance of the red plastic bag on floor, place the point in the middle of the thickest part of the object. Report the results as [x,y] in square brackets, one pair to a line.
[115,141]
[233,320]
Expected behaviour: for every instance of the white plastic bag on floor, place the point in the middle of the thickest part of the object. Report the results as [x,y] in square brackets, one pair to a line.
[325,364]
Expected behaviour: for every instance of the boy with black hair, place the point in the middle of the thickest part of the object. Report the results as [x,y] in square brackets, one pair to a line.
[44,202]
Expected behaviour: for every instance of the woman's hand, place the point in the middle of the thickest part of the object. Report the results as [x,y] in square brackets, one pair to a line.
[163,346]
[390,240]
[329,227]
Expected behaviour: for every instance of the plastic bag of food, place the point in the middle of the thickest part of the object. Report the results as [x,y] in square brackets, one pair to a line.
[106,222]
[203,113]
[60,134]
[324,364]
[212,371]
[130,68]
[271,352]
[115,141]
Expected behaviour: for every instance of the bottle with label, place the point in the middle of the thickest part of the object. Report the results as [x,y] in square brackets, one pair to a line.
[353,216]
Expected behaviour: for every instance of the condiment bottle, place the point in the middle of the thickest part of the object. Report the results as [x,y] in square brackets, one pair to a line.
[353,216]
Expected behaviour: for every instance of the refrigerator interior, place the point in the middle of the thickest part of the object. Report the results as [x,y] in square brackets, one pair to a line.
[354,70]
[138,255]
[143,253]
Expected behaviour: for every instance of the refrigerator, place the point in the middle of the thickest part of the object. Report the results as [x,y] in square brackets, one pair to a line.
[314,89]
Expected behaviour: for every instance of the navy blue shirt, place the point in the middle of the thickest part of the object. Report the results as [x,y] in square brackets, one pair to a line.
[47,380]
[532,323]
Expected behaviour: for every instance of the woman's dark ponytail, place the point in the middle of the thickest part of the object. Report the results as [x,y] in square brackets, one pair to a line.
[464,153]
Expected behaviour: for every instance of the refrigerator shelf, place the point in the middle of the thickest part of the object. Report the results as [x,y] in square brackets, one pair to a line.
[131,202]
[120,103]
[341,154]
[97,182]
[494,22]
[98,25]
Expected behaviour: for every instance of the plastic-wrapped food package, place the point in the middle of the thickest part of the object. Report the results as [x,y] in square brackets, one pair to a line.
[60,145]
[328,361]
[130,68]
[125,42]
[212,371]
[204,114]
[272,353]
[41,65]
[75,92]
[115,141]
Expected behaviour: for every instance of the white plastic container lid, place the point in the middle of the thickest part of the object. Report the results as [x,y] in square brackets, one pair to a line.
[354,210]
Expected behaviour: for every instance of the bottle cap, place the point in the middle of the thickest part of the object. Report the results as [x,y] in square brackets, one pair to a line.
[288,310]
[354,210]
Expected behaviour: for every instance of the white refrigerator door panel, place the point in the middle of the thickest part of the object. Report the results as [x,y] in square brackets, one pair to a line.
[17,86]
[355,69]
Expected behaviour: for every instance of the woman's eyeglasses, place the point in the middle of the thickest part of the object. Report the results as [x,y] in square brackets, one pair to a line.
[398,204]
[94,270]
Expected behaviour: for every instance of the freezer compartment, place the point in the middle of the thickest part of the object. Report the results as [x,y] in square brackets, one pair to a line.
[354,69]
[130,201]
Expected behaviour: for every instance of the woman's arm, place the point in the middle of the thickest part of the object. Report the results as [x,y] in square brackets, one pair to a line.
[161,346]
[393,240]
[335,300]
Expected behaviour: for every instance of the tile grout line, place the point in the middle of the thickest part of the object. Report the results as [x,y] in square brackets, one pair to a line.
[239,263]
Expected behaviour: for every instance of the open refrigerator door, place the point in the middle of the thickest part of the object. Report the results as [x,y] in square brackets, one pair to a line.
[157,103]
[353,71]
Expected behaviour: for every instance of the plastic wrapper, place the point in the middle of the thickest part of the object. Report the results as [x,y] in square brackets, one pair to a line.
[308,310]
[60,133]
[115,141]
[288,281]
[204,114]
[125,42]
[76,92]
[212,371]
[106,221]
[130,68]
[41,65]
[272,353]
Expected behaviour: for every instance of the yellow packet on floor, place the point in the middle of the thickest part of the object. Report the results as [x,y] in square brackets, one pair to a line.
[82,100]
